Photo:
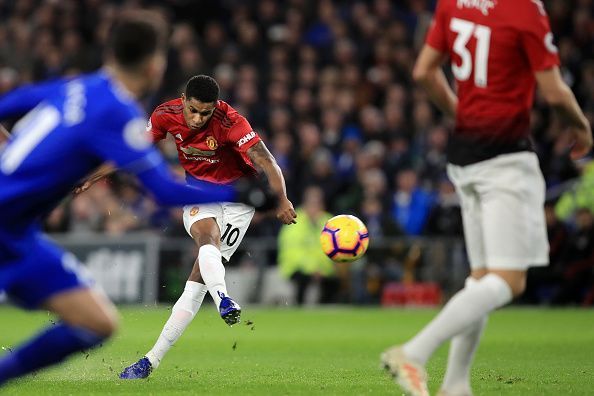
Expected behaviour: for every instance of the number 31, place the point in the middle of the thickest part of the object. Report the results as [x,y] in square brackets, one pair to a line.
[465,30]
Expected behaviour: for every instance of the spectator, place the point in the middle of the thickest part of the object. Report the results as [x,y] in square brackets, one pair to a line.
[578,261]
[314,266]
[445,218]
[543,282]
[410,203]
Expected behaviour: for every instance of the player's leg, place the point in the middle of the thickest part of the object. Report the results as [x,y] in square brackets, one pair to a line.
[87,317]
[190,301]
[512,198]
[218,239]
[504,234]
[456,381]
[207,235]
[463,346]
[405,366]
[182,313]
[202,223]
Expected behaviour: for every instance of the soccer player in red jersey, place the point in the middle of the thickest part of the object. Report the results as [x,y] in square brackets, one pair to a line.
[218,145]
[499,52]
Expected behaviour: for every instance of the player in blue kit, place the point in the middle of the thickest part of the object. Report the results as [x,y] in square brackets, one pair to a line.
[75,126]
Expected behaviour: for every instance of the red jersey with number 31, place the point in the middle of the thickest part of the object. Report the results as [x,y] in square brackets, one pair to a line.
[217,152]
[495,47]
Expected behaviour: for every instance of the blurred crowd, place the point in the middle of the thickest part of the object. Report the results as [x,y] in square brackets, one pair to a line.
[326,83]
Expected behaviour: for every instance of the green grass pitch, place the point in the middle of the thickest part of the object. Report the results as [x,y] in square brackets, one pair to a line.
[330,351]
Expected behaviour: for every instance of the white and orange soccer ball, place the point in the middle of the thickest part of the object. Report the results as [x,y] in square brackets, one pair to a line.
[344,238]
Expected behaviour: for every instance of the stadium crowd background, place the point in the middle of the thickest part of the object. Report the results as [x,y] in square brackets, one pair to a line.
[327,84]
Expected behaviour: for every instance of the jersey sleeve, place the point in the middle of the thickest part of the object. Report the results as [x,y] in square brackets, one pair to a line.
[537,38]
[242,136]
[23,99]
[124,141]
[155,128]
[437,34]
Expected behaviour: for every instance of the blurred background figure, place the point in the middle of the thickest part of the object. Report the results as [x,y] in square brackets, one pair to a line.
[411,204]
[299,255]
[577,270]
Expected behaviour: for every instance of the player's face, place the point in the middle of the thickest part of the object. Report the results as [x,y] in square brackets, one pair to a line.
[197,113]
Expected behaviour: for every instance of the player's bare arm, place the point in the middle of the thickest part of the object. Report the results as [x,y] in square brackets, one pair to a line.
[263,159]
[101,172]
[428,73]
[559,96]
[4,134]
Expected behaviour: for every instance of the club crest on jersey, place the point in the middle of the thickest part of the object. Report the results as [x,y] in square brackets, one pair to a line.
[246,138]
[484,6]
[211,142]
[194,211]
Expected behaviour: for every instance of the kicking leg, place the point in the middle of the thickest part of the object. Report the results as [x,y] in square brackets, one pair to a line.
[207,235]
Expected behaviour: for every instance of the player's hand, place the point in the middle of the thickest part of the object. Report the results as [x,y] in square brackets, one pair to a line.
[582,143]
[285,211]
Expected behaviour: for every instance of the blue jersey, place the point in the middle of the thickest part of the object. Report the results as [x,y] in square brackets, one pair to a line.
[73,127]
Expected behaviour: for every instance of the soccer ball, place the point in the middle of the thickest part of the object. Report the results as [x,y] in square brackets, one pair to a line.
[344,238]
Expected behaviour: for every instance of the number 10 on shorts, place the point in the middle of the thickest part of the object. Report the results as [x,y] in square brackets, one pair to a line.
[231,235]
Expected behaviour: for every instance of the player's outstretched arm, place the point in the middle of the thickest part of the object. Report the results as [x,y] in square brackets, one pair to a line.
[264,160]
[428,73]
[23,99]
[162,183]
[101,172]
[559,96]
[4,134]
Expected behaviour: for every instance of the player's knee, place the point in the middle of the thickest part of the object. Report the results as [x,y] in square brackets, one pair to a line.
[518,286]
[516,280]
[104,324]
[107,325]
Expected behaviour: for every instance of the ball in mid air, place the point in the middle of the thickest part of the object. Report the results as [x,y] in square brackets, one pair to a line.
[344,238]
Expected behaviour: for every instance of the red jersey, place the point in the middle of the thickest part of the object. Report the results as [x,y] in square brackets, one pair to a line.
[217,152]
[495,47]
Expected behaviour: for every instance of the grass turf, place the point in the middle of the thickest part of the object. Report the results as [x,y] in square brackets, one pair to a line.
[330,351]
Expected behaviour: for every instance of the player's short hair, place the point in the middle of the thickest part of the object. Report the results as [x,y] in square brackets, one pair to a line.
[203,88]
[135,36]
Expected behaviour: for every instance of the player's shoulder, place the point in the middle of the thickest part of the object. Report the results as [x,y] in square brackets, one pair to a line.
[226,116]
[519,13]
[173,106]
[527,10]
[106,99]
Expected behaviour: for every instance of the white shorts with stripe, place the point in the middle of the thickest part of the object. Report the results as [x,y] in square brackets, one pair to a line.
[502,201]
[232,218]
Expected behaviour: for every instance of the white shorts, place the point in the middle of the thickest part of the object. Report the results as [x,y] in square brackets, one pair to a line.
[502,201]
[232,218]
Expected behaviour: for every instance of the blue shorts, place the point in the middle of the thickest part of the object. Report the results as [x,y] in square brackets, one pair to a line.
[32,269]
